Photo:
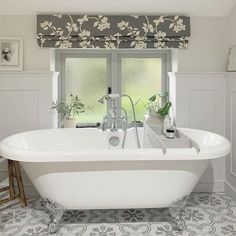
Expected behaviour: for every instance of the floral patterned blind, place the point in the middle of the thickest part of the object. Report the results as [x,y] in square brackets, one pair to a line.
[99,31]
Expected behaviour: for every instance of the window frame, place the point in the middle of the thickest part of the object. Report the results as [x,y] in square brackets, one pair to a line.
[114,57]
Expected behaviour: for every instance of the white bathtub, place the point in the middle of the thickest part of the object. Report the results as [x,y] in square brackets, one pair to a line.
[76,168]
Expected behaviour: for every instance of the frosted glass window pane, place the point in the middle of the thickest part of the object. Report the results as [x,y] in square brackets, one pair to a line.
[87,77]
[141,78]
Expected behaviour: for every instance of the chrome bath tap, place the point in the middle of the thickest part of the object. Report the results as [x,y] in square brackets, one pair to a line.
[114,120]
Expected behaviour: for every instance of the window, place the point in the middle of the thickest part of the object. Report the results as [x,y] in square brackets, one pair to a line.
[86,77]
[89,73]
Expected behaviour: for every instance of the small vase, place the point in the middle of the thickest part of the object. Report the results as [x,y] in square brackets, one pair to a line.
[69,123]
[154,121]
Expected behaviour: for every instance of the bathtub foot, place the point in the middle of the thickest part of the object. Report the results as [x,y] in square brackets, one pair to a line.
[55,212]
[176,209]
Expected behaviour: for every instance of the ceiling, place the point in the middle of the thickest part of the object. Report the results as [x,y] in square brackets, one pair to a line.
[201,8]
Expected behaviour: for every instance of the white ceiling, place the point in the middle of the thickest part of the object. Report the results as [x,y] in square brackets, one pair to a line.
[212,8]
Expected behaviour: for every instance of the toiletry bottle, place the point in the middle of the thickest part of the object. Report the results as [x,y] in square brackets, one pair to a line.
[170,133]
[167,124]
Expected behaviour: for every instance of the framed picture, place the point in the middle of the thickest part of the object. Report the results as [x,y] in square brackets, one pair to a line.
[232,59]
[11,53]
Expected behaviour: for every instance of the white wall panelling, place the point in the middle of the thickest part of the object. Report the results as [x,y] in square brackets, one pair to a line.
[20,111]
[198,107]
[231,134]
[233,130]
[200,102]
[25,104]
[230,182]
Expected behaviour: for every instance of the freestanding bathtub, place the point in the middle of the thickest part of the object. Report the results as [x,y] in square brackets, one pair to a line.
[77,169]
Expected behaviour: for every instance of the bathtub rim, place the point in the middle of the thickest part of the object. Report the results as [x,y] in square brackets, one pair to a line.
[9,151]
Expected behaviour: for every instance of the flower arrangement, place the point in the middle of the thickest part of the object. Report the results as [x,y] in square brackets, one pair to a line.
[71,109]
[155,106]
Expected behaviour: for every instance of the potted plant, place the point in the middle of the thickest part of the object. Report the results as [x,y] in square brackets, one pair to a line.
[158,108]
[69,110]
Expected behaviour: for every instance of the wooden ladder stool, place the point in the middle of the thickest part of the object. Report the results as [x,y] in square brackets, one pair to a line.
[14,173]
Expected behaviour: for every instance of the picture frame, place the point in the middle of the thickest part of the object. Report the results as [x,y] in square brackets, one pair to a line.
[11,53]
[232,59]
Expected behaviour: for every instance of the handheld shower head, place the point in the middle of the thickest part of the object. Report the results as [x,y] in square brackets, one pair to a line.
[111,96]
[101,100]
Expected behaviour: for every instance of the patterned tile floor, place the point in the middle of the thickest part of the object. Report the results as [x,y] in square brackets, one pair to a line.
[205,214]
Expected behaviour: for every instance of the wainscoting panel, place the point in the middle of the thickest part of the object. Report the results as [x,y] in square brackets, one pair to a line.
[202,107]
[231,135]
[200,103]
[25,104]
[20,111]
[233,132]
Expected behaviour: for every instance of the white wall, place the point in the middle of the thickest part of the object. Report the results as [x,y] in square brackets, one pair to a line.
[232,29]
[35,58]
[207,52]
[208,48]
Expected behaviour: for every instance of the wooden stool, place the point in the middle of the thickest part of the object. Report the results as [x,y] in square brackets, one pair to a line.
[14,173]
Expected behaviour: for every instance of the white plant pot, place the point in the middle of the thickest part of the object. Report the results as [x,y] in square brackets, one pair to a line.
[153,119]
[69,123]
[155,122]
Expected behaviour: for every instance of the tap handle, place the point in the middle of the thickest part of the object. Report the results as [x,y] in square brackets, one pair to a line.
[104,123]
[114,95]
[112,112]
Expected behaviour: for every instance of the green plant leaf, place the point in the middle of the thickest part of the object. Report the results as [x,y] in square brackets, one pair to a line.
[164,110]
[70,109]
[152,98]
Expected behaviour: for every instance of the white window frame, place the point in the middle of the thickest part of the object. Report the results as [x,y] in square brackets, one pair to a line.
[113,66]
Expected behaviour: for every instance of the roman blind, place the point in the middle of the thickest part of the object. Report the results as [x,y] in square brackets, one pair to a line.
[113,31]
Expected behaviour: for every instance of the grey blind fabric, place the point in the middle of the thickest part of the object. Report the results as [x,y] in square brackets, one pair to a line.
[113,31]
